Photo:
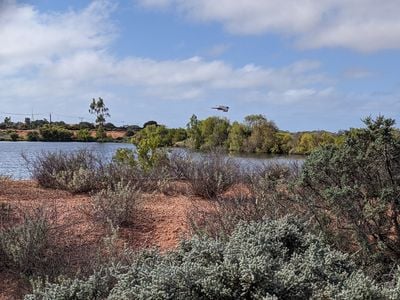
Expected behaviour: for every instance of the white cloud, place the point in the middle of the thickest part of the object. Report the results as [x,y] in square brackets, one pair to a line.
[30,38]
[66,54]
[59,61]
[363,25]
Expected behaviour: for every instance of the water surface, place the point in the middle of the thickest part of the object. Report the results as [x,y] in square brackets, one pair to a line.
[13,164]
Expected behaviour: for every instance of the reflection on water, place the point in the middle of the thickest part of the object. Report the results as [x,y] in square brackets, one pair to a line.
[13,164]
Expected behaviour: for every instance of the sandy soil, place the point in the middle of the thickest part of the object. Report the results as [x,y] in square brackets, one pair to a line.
[160,221]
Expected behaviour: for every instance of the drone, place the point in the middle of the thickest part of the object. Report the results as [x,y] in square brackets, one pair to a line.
[221,107]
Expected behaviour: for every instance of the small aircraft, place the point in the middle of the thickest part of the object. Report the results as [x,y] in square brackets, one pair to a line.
[221,107]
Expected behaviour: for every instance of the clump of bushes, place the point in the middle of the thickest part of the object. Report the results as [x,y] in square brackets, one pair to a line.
[14,136]
[115,205]
[33,136]
[209,175]
[352,192]
[271,187]
[76,172]
[127,167]
[269,195]
[261,260]
[54,133]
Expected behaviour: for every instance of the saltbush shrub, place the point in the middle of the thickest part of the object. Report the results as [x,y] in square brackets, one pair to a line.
[262,260]
[209,175]
[115,205]
[24,247]
[77,172]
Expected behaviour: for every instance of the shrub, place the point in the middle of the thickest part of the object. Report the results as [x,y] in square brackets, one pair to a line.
[54,133]
[84,135]
[269,196]
[270,185]
[115,205]
[126,167]
[264,260]
[209,175]
[24,247]
[221,216]
[76,171]
[14,136]
[352,191]
[33,136]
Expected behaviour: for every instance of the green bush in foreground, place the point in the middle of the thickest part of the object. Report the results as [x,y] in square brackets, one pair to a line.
[352,192]
[265,260]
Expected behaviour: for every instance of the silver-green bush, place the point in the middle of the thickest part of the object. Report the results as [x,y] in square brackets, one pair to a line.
[24,247]
[77,172]
[115,205]
[264,260]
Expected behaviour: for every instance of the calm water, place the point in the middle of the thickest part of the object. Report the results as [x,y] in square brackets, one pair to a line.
[13,164]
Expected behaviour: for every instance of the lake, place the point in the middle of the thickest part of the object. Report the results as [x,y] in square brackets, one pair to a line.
[13,164]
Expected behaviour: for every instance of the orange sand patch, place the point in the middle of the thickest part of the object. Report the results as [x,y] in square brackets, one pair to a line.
[160,221]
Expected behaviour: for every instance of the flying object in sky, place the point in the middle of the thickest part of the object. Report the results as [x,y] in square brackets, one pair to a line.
[221,107]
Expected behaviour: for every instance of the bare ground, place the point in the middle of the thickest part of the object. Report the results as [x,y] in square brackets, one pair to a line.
[160,221]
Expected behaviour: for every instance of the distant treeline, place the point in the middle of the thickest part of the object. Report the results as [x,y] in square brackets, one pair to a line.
[256,134]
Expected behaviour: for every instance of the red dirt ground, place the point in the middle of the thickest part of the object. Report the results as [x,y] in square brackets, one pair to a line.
[160,221]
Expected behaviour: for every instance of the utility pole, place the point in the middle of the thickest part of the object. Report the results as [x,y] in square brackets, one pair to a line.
[50,118]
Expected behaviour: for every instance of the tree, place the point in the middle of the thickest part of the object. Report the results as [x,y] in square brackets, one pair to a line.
[147,142]
[99,109]
[237,137]
[150,123]
[214,132]
[7,121]
[263,134]
[194,133]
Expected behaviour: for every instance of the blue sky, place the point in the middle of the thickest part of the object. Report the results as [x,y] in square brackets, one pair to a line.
[305,64]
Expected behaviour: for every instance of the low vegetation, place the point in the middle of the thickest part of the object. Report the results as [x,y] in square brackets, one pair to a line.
[115,205]
[209,175]
[264,260]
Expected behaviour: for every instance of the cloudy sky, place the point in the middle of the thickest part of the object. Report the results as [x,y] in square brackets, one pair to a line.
[306,64]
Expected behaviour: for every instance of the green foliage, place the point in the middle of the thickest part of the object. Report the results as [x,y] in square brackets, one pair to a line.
[262,138]
[352,191]
[33,136]
[214,132]
[125,156]
[237,137]
[14,136]
[53,133]
[285,142]
[194,133]
[98,108]
[147,143]
[307,143]
[264,260]
[84,135]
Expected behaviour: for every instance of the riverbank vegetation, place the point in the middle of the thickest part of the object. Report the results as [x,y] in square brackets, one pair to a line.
[326,229]
[256,134]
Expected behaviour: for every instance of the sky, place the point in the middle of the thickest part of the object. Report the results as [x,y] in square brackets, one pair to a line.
[305,64]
